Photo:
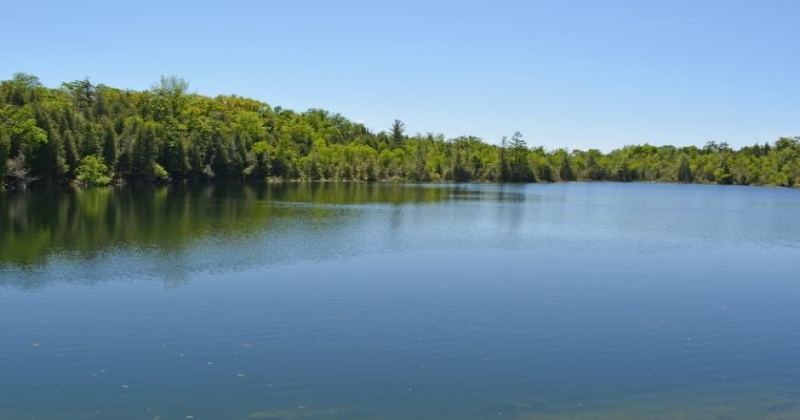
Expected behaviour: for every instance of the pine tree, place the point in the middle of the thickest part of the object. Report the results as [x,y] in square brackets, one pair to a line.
[398,133]
[565,172]
[684,172]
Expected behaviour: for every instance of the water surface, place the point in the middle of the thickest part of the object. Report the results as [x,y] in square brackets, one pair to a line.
[361,301]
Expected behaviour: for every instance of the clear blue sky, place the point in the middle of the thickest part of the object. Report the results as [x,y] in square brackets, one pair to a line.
[568,73]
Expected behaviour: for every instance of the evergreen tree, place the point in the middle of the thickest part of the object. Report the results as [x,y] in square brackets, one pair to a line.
[398,133]
[144,153]
[505,169]
[5,149]
[684,172]
[565,171]
[109,144]
[166,132]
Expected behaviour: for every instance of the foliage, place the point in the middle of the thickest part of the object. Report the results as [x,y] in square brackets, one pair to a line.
[170,134]
[5,149]
[92,171]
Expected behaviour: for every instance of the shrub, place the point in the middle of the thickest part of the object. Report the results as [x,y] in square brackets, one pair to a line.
[93,171]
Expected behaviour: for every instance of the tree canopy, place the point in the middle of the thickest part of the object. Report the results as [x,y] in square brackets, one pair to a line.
[93,134]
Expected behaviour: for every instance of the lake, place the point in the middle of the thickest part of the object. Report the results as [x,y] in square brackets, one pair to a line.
[386,301]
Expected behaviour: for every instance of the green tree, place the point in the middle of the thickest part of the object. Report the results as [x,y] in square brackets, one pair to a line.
[51,161]
[170,97]
[71,155]
[82,93]
[144,153]
[504,170]
[565,172]
[167,133]
[398,133]
[723,174]
[22,89]
[520,169]
[5,149]
[109,144]
[420,172]
[92,172]
[684,172]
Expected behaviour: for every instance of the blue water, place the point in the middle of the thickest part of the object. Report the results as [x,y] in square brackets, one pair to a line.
[565,301]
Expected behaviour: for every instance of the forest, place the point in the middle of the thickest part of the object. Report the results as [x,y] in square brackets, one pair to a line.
[85,134]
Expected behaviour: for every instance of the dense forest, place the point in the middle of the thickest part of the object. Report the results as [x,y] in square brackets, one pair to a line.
[86,134]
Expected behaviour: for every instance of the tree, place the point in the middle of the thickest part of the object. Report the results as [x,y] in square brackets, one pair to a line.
[51,160]
[398,133]
[420,172]
[173,90]
[263,153]
[565,172]
[504,170]
[91,143]
[5,149]
[684,172]
[18,173]
[82,93]
[92,172]
[109,144]
[71,155]
[723,174]
[145,151]
[593,170]
[21,89]
[25,135]
[168,133]
[520,171]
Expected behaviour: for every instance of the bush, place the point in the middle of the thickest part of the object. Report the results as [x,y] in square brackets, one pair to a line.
[160,174]
[93,171]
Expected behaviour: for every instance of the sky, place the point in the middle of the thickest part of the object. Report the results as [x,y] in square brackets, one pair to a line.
[576,74]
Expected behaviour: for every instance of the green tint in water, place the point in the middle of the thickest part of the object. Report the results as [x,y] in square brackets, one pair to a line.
[361,301]
[36,224]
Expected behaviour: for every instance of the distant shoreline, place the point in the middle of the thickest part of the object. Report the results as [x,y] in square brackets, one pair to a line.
[83,134]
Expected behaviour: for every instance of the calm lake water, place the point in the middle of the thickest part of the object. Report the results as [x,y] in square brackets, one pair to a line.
[359,301]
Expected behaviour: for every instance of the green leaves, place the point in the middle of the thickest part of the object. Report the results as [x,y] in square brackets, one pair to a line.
[5,149]
[85,132]
[92,172]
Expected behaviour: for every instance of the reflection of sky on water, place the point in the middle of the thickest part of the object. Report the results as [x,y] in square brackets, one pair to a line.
[567,301]
[442,334]
[217,229]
